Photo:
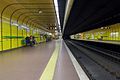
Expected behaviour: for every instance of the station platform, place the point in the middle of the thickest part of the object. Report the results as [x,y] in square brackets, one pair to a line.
[60,40]
[31,63]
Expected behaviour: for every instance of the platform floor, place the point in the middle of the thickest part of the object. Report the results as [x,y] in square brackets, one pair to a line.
[65,69]
[28,63]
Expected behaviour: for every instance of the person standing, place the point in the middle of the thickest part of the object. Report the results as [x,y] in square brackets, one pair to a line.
[27,39]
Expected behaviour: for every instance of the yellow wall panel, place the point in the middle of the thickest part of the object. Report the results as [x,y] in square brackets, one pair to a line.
[111,32]
[14,34]
[14,43]
[6,32]
[20,33]
[6,44]
[0,38]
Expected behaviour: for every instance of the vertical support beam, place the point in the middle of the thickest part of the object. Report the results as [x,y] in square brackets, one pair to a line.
[17,36]
[26,32]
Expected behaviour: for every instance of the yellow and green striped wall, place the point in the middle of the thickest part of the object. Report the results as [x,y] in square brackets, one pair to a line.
[108,33]
[14,37]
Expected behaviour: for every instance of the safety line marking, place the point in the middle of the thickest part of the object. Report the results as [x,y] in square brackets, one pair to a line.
[48,73]
[81,74]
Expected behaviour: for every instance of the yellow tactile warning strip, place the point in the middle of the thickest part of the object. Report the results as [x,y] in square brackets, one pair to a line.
[48,73]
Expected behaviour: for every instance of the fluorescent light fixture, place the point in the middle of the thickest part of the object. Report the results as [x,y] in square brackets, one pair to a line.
[56,31]
[49,33]
[55,28]
[57,11]
[114,34]
[15,24]
[24,27]
[60,30]
[40,12]
[102,27]
[20,26]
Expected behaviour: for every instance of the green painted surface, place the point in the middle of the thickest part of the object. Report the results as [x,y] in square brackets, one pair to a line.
[12,37]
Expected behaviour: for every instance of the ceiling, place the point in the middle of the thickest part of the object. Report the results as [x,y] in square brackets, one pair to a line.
[40,13]
[90,14]
[62,5]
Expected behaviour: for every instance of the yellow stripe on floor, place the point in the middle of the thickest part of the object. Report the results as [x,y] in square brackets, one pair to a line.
[50,68]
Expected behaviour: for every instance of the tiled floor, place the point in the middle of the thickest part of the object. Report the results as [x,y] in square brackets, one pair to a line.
[28,63]
[25,63]
[65,69]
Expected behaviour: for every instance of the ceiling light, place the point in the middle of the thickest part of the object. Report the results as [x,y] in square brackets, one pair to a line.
[57,11]
[15,24]
[24,27]
[40,12]
[56,31]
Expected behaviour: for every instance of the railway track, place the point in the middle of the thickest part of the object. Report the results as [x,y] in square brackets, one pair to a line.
[98,63]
